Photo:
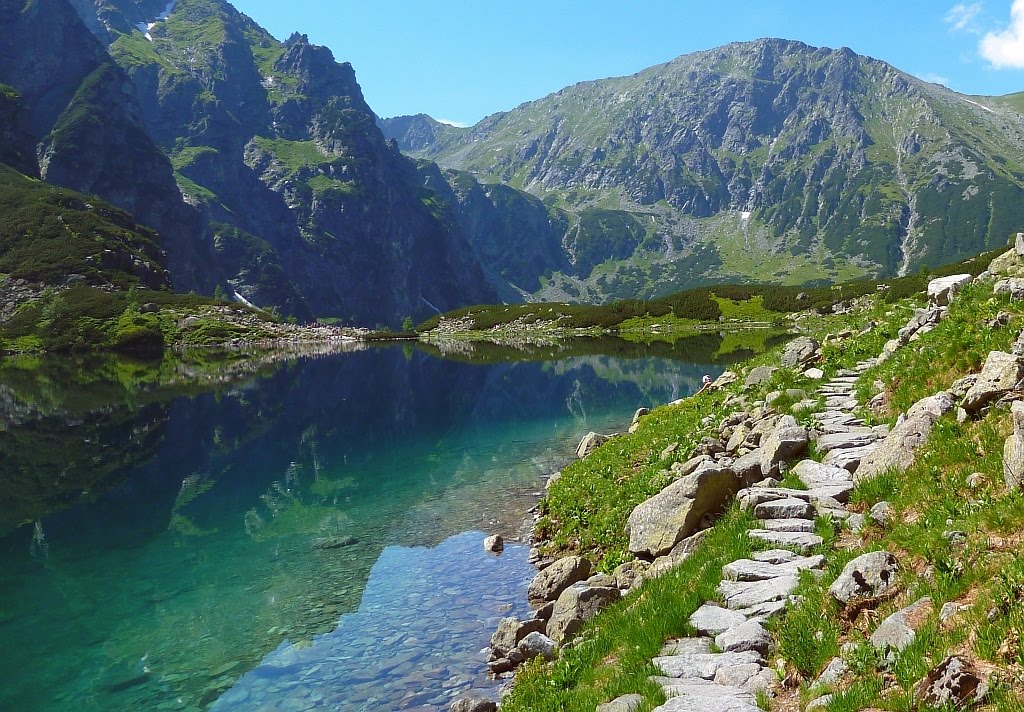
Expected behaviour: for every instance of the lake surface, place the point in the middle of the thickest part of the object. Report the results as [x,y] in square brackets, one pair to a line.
[306,537]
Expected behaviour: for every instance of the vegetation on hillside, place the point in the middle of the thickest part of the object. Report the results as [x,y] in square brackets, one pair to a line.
[956,485]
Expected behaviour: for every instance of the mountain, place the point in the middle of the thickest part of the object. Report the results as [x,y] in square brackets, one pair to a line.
[258,162]
[768,161]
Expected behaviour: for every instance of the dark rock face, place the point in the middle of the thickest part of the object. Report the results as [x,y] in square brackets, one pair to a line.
[80,116]
[311,210]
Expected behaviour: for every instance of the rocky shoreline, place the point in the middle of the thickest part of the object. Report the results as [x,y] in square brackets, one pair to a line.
[754,449]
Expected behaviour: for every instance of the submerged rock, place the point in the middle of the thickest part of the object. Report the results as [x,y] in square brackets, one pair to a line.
[334,542]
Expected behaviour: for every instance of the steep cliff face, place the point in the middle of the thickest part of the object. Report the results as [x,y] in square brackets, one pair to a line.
[71,117]
[312,210]
[770,160]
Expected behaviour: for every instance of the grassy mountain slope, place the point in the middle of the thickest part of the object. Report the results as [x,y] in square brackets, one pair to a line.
[769,160]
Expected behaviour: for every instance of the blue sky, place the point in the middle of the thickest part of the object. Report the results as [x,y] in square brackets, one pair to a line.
[461,60]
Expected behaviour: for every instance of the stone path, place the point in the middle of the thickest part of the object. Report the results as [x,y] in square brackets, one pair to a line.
[756,589]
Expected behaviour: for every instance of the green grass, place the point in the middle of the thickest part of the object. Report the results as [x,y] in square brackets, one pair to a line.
[613,654]
[293,154]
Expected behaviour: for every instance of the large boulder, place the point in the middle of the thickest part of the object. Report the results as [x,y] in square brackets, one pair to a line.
[787,440]
[549,583]
[511,631]
[923,321]
[759,375]
[474,703]
[590,442]
[867,576]
[576,605]
[537,645]
[1013,450]
[1000,375]
[655,526]
[955,682]
[899,448]
[1014,287]
[800,351]
[942,290]
[1008,264]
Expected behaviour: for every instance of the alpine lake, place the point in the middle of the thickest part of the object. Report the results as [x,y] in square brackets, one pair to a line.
[295,533]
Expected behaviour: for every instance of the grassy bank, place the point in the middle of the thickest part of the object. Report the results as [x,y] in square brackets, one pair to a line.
[955,485]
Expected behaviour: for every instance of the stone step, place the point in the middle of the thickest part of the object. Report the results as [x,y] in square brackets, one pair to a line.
[787,508]
[829,428]
[800,541]
[744,594]
[849,458]
[836,441]
[704,696]
[845,379]
[703,665]
[688,646]
[841,403]
[752,570]
[787,525]
[752,496]
[712,619]
[775,556]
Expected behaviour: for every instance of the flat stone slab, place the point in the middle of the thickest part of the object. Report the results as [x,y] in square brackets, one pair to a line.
[753,496]
[841,403]
[787,525]
[835,441]
[900,629]
[787,508]
[750,677]
[830,428]
[749,636]
[686,646]
[693,697]
[751,570]
[703,666]
[800,541]
[808,471]
[710,619]
[849,457]
[774,556]
[763,611]
[744,594]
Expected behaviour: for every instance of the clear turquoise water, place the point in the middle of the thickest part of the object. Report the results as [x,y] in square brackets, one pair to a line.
[184,574]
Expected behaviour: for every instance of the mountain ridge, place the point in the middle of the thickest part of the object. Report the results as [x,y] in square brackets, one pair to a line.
[820,163]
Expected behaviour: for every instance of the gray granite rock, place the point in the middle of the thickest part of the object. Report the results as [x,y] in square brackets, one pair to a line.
[703,696]
[788,508]
[743,594]
[710,619]
[704,666]
[942,289]
[955,682]
[625,703]
[898,450]
[832,673]
[1000,375]
[868,575]
[576,605]
[510,631]
[590,442]
[836,441]
[900,629]
[775,556]
[474,703]
[749,636]
[801,541]
[751,677]
[686,646]
[787,525]
[800,351]
[881,513]
[537,645]
[752,570]
[1013,450]
[759,375]
[820,703]
[494,544]
[656,525]
[549,583]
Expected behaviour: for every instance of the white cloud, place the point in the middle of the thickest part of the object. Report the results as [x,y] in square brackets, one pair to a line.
[933,78]
[456,124]
[961,17]
[1005,48]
